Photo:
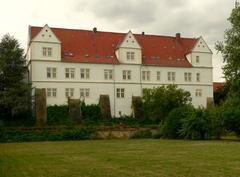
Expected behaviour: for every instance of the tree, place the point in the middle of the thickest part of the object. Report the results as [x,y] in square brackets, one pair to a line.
[230,50]
[158,102]
[15,94]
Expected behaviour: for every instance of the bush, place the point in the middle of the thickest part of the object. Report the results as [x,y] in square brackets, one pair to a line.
[230,113]
[158,102]
[173,124]
[58,115]
[196,125]
[91,113]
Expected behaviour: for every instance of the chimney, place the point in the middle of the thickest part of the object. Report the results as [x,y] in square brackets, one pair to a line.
[143,33]
[178,37]
[94,29]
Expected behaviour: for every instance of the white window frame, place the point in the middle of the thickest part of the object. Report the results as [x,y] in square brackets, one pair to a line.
[171,76]
[146,75]
[126,74]
[51,72]
[158,75]
[188,77]
[84,92]
[47,51]
[198,92]
[69,92]
[84,73]
[120,93]
[52,92]
[69,73]
[130,55]
[198,77]
[108,74]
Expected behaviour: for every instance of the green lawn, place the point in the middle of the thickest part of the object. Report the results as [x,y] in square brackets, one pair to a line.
[120,158]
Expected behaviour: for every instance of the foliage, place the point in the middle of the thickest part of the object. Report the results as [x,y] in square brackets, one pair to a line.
[15,94]
[137,108]
[91,113]
[173,124]
[196,125]
[158,102]
[104,103]
[58,115]
[46,134]
[230,113]
[231,53]
[220,95]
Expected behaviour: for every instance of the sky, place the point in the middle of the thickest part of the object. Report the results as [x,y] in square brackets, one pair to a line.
[191,18]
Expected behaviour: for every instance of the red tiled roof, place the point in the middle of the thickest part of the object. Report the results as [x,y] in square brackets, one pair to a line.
[217,85]
[99,47]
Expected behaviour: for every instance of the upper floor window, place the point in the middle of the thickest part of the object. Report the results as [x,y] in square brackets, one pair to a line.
[51,92]
[126,74]
[146,75]
[188,77]
[197,59]
[120,92]
[171,76]
[198,77]
[69,73]
[130,55]
[198,93]
[158,75]
[51,72]
[84,73]
[108,74]
[47,51]
[69,92]
[84,92]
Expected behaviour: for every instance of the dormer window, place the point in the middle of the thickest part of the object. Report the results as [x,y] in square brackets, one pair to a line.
[130,55]
[47,51]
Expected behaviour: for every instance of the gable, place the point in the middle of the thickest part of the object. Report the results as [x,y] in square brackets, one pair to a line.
[46,35]
[130,41]
[201,46]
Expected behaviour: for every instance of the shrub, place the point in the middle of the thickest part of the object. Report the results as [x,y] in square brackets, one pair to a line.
[196,125]
[173,124]
[91,113]
[58,115]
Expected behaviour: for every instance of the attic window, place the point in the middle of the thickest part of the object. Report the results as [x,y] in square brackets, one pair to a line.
[127,40]
[155,57]
[132,41]
[49,35]
[42,35]
[178,59]
[129,36]
[86,55]
[69,54]
[46,30]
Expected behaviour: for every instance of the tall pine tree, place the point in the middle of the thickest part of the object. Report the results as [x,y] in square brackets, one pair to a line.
[15,93]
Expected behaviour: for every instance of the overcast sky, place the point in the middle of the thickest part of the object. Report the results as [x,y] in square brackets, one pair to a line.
[192,18]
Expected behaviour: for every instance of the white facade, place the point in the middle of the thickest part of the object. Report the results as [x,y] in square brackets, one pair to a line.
[90,80]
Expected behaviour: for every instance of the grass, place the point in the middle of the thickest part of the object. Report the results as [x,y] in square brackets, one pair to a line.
[120,158]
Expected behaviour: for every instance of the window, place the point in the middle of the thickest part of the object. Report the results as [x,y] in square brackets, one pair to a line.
[146,75]
[84,73]
[188,77]
[120,92]
[130,55]
[197,59]
[126,74]
[69,73]
[84,92]
[158,75]
[51,72]
[171,76]
[108,74]
[51,92]
[198,77]
[198,93]
[69,92]
[47,51]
